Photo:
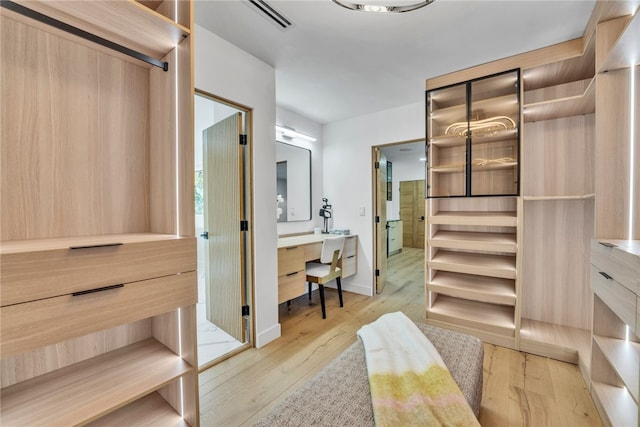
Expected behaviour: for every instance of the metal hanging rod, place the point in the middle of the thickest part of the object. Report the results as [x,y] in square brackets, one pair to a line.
[7,4]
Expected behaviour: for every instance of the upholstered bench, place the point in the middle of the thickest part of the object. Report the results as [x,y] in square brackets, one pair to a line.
[339,394]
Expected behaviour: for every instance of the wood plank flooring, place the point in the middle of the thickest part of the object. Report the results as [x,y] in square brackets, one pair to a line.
[519,389]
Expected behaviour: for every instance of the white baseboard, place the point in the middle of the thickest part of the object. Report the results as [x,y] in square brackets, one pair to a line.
[265,337]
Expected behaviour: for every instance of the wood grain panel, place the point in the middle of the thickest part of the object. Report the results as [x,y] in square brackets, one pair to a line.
[613,152]
[35,324]
[79,110]
[560,157]
[555,266]
[546,55]
[290,260]
[291,286]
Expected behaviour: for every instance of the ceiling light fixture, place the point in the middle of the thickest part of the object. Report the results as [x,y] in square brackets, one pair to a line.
[291,133]
[378,8]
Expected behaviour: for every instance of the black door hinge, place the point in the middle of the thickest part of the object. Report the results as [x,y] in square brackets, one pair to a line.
[377,272]
[244,225]
[243,139]
[377,219]
[245,310]
[204,235]
[377,165]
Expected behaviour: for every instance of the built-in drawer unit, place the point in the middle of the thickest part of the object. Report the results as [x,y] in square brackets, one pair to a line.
[38,323]
[33,269]
[291,275]
[619,299]
[615,347]
[348,263]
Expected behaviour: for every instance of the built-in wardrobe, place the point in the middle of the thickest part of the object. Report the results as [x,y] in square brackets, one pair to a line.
[98,250]
[531,161]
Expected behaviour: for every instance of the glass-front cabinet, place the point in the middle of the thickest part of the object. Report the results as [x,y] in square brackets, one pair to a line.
[473,138]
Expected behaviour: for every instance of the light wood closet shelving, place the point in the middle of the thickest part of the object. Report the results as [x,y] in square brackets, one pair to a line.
[558,197]
[615,251]
[98,250]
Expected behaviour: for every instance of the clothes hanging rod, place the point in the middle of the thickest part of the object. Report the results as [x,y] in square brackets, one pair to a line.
[25,11]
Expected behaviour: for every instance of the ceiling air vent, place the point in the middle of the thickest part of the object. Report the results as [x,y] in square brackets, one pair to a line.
[271,14]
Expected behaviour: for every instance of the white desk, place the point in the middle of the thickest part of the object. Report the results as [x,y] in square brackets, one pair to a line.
[294,252]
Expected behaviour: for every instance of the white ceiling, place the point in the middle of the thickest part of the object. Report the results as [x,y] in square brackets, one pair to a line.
[334,63]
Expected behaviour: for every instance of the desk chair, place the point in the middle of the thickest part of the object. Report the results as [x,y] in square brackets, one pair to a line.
[327,269]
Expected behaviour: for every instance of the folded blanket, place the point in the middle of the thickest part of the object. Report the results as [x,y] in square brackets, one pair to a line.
[410,384]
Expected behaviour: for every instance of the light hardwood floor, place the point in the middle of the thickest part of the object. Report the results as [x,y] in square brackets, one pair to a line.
[519,389]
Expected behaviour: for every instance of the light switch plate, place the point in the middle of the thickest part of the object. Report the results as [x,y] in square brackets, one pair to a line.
[362,211]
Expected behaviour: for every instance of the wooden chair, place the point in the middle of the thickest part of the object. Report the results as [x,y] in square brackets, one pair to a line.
[327,269]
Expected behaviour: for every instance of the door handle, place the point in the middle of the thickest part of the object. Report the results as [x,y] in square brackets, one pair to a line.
[205,235]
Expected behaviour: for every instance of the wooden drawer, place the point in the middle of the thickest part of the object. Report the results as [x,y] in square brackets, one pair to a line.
[290,260]
[291,286]
[350,244]
[312,252]
[348,266]
[618,263]
[40,323]
[619,299]
[58,270]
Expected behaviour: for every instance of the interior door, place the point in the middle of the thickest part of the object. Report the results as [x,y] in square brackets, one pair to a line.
[223,213]
[412,205]
[381,220]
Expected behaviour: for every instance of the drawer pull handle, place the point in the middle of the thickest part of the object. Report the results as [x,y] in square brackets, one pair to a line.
[605,275]
[91,291]
[607,244]
[290,248]
[103,245]
[292,274]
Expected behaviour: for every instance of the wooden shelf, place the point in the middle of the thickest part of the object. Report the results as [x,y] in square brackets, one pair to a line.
[459,112]
[111,380]
[624,357]
[503,266]
[488,219]
[151,410]
[577,105]
[493,318]
[478,241]
[617,403]
[125,22]
[558,341]
[550,198]
[622,55]
[457,168]
[478,288]
[445,141]
[36,245]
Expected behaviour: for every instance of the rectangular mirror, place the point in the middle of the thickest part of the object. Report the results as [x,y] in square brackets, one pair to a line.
[293,185]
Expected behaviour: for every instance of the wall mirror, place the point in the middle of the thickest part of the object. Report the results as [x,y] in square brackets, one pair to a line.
[293,185]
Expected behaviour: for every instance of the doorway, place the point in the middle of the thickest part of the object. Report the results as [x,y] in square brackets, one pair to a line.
[394,164]
[222,204]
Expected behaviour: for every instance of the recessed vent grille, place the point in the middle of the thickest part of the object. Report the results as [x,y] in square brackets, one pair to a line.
[271,14]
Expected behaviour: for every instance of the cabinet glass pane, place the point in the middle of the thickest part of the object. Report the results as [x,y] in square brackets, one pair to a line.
[493,132]
[447,141]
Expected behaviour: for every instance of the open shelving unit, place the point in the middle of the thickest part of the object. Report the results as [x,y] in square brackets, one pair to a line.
[98,252]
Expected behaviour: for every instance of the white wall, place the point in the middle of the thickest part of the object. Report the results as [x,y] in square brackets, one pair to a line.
[223,70]
[403,170]
[301,124]
[348,175]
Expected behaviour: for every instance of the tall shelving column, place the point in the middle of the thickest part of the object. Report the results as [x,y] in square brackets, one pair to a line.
[615,251]
[558,193]
[98,248]
[473,211]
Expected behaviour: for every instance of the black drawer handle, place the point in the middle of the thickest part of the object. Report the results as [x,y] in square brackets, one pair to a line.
[607,244]
[91,291]
[292,274]
[605,275]
[104,245]
[291,248]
